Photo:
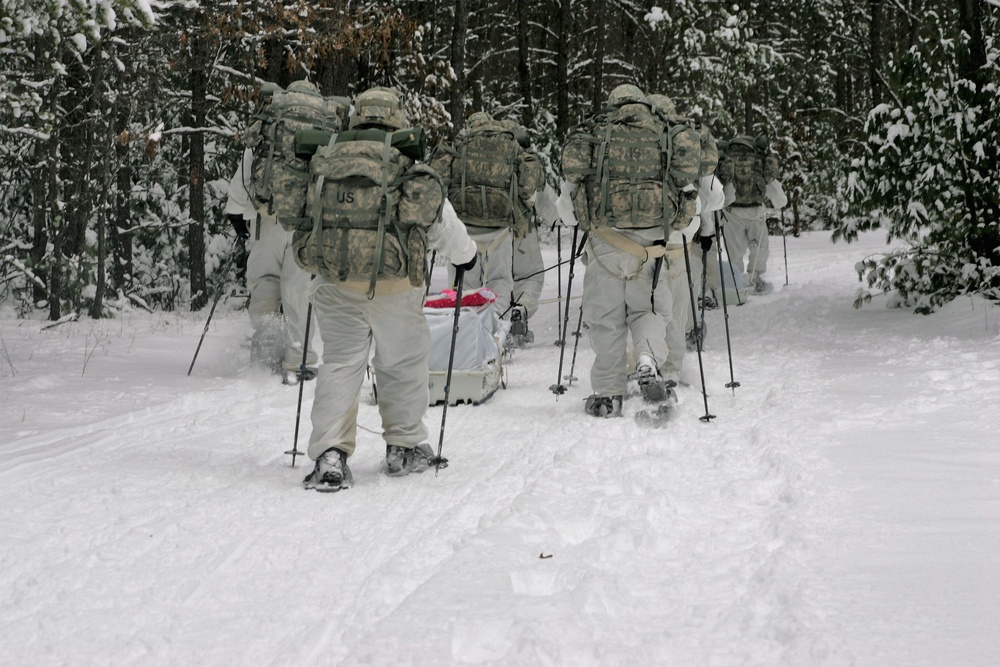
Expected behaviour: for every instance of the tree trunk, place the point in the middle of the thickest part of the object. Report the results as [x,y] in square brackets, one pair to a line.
[875,51]
[121,242]
[981,200]
[523,68]
[196,174]
[563,19]
[458,35]
[600,29]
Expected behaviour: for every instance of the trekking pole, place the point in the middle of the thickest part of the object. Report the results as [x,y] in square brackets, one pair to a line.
[784,243]
[559,387]
[430,272]
[294,451]
[438,461]
[707,417]
[576,334]
[704,284]
[560,339]
[725,313]
[657,264]
[732,269]
[218,295]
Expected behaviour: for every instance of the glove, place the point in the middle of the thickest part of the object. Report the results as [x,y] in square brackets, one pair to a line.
[706,243]
[239,224]
[468,266]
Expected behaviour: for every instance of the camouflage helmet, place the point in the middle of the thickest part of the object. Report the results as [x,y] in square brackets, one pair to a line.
[744,140]
[303,86]
[479,118]
[660,103]
[379,106]
[519,131]
[625,93]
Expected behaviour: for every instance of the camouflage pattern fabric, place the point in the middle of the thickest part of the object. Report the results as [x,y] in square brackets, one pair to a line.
[487,173]
[280,176]
[748,170]
[368,211]
[636,170]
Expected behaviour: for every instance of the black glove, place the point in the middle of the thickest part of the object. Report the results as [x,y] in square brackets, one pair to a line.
[462,268]
[239,224]
[706,243]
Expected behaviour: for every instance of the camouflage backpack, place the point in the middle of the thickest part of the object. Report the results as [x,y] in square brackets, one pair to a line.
[368,209]
[748,166]
[289,129]
[664,107]
[483,174]
[635,170]
[531,176]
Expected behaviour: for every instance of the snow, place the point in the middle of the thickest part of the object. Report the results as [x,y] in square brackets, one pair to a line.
[841,509]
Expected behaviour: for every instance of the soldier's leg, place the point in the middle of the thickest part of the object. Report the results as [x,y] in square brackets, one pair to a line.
[295,304]
[346,337]
[402,346]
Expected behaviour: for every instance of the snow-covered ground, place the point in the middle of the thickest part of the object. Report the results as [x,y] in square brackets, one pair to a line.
[842,509]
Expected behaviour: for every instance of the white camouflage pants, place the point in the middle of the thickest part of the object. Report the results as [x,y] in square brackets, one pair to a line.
[278,290]
[349,322]
[527,261]
[680,315]
[746,229]
[617,291]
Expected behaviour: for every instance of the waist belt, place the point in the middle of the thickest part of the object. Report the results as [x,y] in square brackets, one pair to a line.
[625,244]
[745,205]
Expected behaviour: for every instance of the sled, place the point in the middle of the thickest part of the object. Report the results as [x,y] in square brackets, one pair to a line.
[478,370]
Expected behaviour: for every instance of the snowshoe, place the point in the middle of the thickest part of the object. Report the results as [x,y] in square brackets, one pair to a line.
[604,406]
[401,461]
[653,387]
[661,414]
[267,347]
[519,334]
[695,336]
[757,285]
[293,377]
[709,302]
[331,473]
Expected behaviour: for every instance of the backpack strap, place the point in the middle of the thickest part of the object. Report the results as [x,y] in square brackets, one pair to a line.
[666,148]
[383,216]
[602,171]
[316,215]
[272,133]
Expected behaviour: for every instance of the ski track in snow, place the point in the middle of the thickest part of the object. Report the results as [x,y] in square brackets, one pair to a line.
[841,508]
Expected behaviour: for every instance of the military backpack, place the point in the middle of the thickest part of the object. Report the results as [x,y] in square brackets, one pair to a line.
[748,165]
[634,170]
[288,130]
[368,209]
[487,174]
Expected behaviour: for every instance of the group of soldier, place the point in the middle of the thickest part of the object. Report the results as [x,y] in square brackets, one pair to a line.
[472,202]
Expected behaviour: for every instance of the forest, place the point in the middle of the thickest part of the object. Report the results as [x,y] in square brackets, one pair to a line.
[121,120]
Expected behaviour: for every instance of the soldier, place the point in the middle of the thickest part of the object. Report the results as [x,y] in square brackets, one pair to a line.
[750,173]
[528,267]
[630,200]
[363,296]
[277,286]
[488,176]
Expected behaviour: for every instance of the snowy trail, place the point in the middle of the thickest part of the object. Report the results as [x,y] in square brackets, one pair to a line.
[841,509]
